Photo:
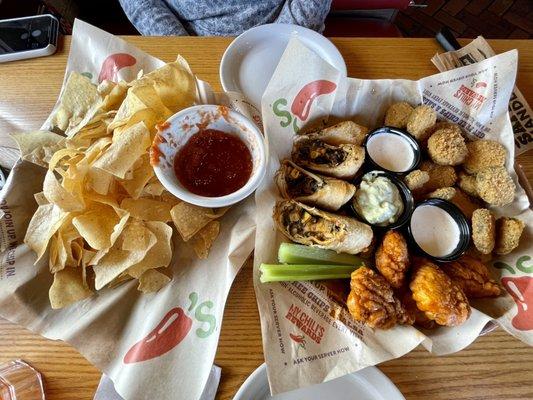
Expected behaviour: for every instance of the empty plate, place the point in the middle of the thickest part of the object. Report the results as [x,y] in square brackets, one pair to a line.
[250,60]
[368,384]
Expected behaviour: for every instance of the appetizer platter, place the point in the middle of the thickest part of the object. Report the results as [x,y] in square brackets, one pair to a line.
[396,217]
[415,264]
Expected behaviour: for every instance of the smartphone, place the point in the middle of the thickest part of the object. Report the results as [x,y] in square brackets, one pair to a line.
[28,37]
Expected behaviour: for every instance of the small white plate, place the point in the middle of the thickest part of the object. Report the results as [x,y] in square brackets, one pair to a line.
[368,384]
[250,60]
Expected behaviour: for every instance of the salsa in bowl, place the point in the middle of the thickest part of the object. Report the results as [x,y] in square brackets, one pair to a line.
[209,155]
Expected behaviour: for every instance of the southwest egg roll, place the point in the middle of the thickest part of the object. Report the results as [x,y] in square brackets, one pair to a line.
[340,161]
[315,190]
[313,227]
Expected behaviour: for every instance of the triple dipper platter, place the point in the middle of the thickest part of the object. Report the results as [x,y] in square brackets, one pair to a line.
[399,215]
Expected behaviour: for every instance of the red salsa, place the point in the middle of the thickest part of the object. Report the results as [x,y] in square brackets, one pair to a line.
[213,163]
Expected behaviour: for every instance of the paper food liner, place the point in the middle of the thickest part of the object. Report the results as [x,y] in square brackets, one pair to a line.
[104,327]
[519,109]
[303,343]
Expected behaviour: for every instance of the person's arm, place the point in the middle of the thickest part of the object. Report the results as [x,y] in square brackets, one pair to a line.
[153,18]
[308,13]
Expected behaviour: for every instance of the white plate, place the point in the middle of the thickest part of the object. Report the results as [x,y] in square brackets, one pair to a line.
[368,384]
[250,60]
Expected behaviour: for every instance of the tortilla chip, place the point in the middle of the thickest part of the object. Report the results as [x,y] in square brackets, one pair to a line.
[40,199]
[137,237]
[153,189]
[147,209]
[117,261]
[204,239]
[160,254]
[58,195]
[44,223]
[152,281]
[78,96]
[189,219]
[68,288]
[37,147]
[97,224]
[142,172]
[126,148]
[114,94]
[174,83]
[100,181]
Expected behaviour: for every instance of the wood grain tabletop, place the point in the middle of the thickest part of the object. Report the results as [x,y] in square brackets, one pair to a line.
[495,366]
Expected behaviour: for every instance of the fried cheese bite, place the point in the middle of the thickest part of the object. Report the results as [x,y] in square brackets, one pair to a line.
[442,300]
[398,114]
[495,186]
[508,233]
[483,230]
[484,153]
[420,120]
[467,183]
[447,147]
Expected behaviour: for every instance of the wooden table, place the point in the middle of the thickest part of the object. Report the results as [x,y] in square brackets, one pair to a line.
[496,366]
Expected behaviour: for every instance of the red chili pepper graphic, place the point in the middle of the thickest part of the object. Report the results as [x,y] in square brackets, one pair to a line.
[297,339]
[521,289]
[301,105]
[172,329]
[113,64]
[481,84]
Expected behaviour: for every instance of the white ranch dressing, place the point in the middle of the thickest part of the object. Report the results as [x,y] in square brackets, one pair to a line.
[390,151]
[434,230]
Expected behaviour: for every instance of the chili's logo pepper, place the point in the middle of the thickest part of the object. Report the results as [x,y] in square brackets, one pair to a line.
[114,63]
[301,105]
[299,340]
[171,331]
[521,290]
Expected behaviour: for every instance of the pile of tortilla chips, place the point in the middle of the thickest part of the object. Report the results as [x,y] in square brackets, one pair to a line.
[102,213]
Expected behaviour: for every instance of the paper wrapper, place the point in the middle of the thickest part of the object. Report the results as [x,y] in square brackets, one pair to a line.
[305,341]
[104,327]
[519,110]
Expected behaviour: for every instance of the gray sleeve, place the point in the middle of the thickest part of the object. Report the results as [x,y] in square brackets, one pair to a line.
[153,18]
[308,13]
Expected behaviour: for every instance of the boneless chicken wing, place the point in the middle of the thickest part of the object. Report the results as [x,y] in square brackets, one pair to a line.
[392,258]
[473,277]
[442,300]
[372,301]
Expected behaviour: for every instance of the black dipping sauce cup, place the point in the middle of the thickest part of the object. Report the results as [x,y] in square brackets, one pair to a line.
[405,195]
[462,224]
[410,141]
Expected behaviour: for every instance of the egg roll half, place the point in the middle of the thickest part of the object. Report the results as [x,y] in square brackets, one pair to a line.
[315,190]
[313,227]
[341,161]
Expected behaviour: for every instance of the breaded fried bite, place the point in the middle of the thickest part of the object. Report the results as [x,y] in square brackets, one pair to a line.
[416,179]
[392,258]
[372,301]
[457,197]
[473,277]
[398,114]
[495,186]
[422,118]
[442,300]
[483,230]
[467,183]
[508,233]
[439,176]
[484,153]
[447,147]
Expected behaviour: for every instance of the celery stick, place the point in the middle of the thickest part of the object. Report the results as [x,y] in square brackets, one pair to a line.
[304,272]
[299,254]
